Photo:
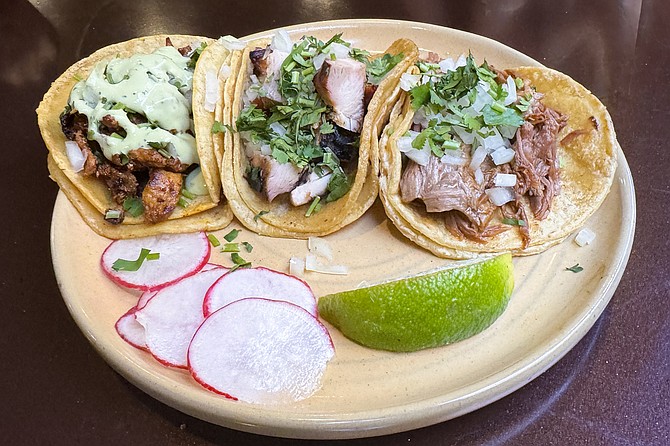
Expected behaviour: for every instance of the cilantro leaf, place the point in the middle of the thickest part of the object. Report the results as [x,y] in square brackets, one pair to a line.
[379,67]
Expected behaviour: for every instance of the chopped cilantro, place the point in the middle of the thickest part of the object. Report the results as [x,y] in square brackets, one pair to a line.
[231,247]
[313,207]
[133,206]
[259,215]
[232,235]
[218,127]
[575,268]
[134,265]
[379,67]
[195,55]
[213,240]
[513,222]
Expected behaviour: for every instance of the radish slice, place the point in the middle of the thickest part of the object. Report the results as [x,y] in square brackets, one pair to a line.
[181,255]
[260,351]
[131,331]
[144,298]
[259,282]
[173,314]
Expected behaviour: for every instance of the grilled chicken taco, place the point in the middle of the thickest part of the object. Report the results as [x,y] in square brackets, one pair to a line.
[477,160]
[305,122]
[123,146]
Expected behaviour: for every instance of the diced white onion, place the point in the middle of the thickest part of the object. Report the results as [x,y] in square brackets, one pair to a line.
[502,155]
[493,142]
[320,247]
[456,160]
[408,81]
[319,59]
[421,118]
[313,264]
[232,43]
[447,65]
[505,180]
[420,157]
[75,155]
[405,143]
[211,90]
[500,195]
[225,71]
[340,51]
[507,131]
[282,41]
[478,158]
[479,176]
[460,62]
[585,237]
[266,149]
[466,137]
[510,87]
[278,128]
[296,266]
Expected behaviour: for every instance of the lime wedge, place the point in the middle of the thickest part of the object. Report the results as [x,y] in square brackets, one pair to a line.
[426,310]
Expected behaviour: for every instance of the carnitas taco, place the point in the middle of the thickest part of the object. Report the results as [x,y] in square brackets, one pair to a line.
[301,134]
[477,160]
[123,145]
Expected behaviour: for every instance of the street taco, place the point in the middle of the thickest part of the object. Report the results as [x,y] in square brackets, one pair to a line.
[477,160]
[305,119]
[123,145]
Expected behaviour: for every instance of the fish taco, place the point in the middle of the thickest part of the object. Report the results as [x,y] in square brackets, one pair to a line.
[124,132]
[303,129]
[477,160]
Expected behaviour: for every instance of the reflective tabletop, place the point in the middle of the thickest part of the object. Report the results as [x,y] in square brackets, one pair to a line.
[612,388]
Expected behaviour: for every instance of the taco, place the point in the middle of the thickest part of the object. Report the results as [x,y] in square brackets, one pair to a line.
[124,129]
[305,120]
[477,160]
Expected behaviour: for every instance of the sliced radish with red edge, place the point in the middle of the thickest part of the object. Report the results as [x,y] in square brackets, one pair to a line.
[131,331]
[180,255]
[173,314]
[259,282]
[260,351]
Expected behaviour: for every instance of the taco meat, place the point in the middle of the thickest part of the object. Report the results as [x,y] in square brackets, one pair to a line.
[536,162]
[341,84]
[275,178]
[161,194]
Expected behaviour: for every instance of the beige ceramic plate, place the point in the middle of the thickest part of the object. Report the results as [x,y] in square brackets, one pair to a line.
[366,392]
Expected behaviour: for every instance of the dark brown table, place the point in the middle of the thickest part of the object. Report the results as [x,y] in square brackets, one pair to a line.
[613,388]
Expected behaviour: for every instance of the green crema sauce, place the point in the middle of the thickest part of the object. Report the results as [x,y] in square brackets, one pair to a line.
[157,86]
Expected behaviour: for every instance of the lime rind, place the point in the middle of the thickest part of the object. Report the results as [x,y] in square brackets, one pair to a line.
[424,311]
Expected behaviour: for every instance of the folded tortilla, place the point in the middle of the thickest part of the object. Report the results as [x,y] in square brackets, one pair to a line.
[588,163]
[89,195]
[279,218]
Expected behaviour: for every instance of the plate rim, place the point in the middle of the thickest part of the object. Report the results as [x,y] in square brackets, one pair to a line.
[356,424]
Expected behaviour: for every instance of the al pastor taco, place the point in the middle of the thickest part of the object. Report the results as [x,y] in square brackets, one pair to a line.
[305,121]
[477,160]
[123,146]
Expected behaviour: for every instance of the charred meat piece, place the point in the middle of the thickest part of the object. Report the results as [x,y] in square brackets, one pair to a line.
[341,84]
[275,178]
[121,183]
[109,125]
[370,90]
[91,163]
[161,194]
[150,158]
[72,123]
[343,143]
[259,60]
